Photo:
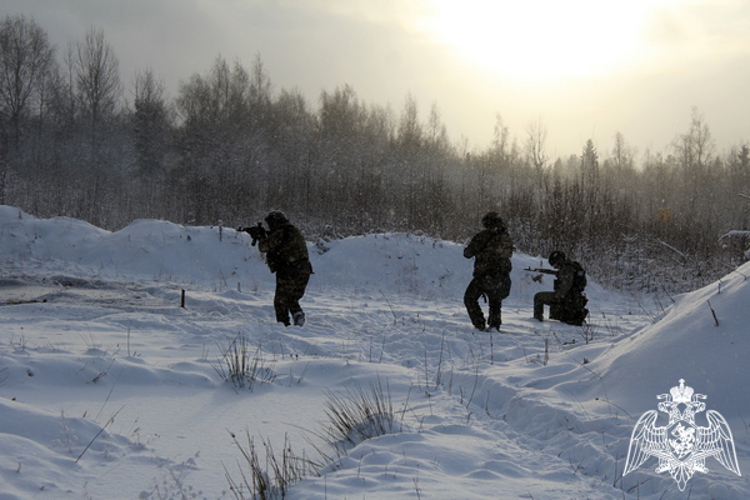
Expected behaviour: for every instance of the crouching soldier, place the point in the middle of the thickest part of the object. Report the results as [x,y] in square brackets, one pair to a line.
[287,257]
[492,249]
[567,303]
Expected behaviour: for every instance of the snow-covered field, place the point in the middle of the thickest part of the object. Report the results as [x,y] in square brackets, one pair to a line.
[110,390]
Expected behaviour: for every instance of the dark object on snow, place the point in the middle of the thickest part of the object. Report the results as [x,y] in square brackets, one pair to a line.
[568,302]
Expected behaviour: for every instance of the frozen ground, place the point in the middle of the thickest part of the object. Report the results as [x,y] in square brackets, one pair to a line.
[110,390]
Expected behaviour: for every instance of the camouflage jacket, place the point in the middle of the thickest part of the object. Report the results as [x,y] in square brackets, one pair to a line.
[570,280]
[286,250]
[492,250]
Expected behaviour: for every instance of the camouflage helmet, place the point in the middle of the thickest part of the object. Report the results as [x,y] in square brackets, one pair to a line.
[493,219]
[556,257]
[275,219]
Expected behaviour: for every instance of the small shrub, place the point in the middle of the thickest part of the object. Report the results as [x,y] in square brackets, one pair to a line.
[356,415]
[272,481]
[239,368]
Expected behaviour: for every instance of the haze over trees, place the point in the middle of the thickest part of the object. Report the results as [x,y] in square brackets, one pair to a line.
[76,141]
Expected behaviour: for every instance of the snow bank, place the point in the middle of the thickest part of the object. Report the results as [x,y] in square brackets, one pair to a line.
[687,343]
[160,251]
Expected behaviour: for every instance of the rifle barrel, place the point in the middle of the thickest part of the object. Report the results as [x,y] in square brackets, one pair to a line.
[542,270]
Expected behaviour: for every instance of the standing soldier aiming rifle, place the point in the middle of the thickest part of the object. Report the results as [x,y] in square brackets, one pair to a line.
[492,249]
[567,303]
[287,257]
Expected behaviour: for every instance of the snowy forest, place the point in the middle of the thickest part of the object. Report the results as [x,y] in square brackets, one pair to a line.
[77,140]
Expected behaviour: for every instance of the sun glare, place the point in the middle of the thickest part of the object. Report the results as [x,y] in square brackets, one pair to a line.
[535,41]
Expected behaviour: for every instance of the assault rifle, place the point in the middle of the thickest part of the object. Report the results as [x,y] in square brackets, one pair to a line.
[257,232]
[538,277]
[553,272]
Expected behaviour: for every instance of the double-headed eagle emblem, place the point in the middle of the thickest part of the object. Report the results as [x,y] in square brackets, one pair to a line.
[682,446]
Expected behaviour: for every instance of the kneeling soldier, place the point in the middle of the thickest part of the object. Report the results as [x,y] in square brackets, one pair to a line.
[567,303]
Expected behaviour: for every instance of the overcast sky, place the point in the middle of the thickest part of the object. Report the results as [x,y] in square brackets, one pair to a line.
[586,68]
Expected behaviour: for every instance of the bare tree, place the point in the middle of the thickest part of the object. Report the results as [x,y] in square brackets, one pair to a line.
[261,92]
[63,104]
[97,79]
[410,134]
[536,137]
[25,60]
[410,142]
[622,154]
[619,168]
[437,135]
[693,151]
[151,124]
[695,160]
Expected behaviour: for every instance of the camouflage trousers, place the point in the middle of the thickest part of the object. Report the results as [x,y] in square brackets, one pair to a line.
[571,310]
[496,288]
[290,288]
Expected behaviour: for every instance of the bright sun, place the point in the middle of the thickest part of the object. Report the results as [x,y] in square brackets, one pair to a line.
[538,41]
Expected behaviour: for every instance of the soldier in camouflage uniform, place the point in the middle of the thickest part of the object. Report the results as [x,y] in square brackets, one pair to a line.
[568,302]
[492,249]
[286,255]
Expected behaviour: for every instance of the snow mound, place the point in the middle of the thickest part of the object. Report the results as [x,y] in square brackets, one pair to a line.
[704,338]
[221,258]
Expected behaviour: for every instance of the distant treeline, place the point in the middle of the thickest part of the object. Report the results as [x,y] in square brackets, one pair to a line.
[230,147]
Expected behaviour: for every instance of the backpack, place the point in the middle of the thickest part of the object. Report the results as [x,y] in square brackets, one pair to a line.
[579,278]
